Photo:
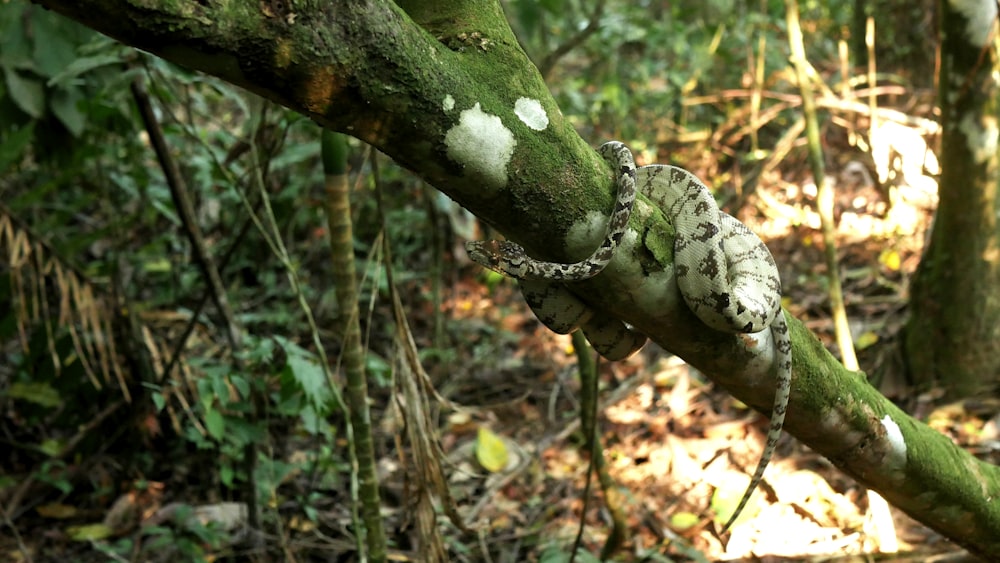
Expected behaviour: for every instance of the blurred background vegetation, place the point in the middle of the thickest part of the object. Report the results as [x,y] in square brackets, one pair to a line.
[130,391]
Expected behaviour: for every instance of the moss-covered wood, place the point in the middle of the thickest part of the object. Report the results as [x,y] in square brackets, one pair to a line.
[338,216]
[368,69]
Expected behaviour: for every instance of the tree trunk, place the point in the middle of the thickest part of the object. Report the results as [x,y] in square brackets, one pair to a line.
[953,336]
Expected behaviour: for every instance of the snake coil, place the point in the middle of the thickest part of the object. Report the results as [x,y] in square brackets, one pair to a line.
[725,273]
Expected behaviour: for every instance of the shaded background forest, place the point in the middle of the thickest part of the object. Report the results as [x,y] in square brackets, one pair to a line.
[145,417]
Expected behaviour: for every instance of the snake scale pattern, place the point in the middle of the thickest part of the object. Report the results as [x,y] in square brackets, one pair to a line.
[725,273]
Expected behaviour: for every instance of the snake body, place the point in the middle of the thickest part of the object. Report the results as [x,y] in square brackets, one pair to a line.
[509,258]
[725,273]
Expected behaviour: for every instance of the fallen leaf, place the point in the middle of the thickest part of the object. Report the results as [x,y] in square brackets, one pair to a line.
[56,510]
[89,532]
[491,452]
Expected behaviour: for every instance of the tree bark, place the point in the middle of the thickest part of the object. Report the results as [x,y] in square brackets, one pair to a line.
[450,94]
[953,336]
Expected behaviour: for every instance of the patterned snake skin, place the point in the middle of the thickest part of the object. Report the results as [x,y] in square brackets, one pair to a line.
[724,271]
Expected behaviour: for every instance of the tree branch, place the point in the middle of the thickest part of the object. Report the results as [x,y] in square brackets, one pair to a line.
[450,95]
[593,24]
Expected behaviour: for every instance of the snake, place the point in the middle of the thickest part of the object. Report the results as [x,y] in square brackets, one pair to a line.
[725,273]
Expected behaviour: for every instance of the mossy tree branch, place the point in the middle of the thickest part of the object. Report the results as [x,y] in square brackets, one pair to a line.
[404,82]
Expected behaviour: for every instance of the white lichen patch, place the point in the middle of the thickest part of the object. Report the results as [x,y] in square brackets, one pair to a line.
[897,456]
[980,16]
[761,354]
[482,145]
[583,237]
[448,104]
[531,113]
[981,135]
[624,261]
[658,293]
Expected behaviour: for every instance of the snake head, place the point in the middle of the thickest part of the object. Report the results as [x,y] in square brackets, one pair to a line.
[498,255]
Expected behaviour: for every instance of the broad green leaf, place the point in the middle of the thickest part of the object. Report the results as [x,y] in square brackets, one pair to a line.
[54,42]
[241,432]
[205,396]
[27,93]
[64,107]
[15,46]
[315,424]
[306,371]
[83,66]
[491,452]
[219,388]
[215,423]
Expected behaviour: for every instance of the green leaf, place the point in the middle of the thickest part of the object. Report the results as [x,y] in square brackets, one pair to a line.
[159,401]
[307,373]
[54,42]
[51,447]
[865,340]
[241,432]
[227,475]
[241,384]
[205,396]
[491,452]
[89,532]
[215,423]
[379,371]
[158,265]
[27,93]
[83,66]
[64,107]
[15,47]
[219,388]
[35,392]
[683,520]
[311,422]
